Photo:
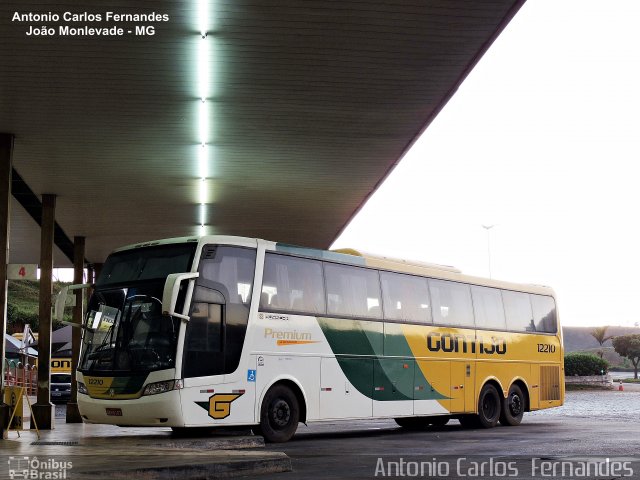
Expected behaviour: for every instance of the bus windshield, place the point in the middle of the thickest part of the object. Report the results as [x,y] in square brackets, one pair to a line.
[125,330]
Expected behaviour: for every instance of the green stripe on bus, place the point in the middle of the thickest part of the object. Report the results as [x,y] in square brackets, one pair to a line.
[396,345]
[360,348]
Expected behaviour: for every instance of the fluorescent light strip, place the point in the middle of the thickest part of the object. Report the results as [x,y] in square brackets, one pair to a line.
[203,161]
[203,68]
[204,110]
[203,122]
[204,194]
[203,16]
[203,214]
[203,56]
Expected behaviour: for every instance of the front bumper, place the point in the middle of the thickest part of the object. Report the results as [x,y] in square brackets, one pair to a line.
[149,411]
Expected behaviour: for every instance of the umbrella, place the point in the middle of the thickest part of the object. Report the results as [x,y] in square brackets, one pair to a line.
[62,335]
[66,346]
[12,345]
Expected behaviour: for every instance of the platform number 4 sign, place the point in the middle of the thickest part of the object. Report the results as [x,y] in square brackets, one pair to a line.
[22,271]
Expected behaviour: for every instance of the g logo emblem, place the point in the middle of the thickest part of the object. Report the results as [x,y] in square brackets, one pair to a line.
[220,404]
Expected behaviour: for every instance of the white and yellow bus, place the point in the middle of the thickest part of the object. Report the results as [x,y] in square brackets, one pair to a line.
[212,331]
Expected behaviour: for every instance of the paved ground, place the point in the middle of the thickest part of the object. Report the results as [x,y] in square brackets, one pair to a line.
[591,423]
[80,451]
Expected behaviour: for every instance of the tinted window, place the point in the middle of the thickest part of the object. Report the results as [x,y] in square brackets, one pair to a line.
[203,343]
[60,378]
[220,311]
[517,308]
[229,270]
[352,291]
[292,284]
[147,263]
[544,313]
[451,303]
[487,307]
[406,298]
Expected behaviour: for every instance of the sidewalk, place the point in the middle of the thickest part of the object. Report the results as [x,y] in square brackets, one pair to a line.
[106,451]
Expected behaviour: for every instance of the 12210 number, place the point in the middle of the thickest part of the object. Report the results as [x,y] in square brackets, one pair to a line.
[546,348]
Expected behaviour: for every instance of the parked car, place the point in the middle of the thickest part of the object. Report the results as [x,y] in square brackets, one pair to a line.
[60,387]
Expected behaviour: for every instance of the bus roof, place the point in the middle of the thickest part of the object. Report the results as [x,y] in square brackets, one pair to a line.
[443,272]
[357,257]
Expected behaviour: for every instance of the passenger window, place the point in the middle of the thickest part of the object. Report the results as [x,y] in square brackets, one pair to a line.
[406,298]
[544,313]
[451,303]
[488,308]
[517,308]
[352,291]
[292,284]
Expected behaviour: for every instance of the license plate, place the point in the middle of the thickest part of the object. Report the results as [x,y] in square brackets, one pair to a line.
[114,412]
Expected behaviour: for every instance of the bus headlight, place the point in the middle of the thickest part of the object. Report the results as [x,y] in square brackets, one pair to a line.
[161,387]
[82,388]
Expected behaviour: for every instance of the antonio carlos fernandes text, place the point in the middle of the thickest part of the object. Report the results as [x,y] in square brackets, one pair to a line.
[464,467]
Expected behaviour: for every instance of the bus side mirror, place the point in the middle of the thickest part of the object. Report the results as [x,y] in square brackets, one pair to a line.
[171,290]
[63,299]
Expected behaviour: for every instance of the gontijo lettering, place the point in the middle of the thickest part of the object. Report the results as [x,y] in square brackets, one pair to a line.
[447,342]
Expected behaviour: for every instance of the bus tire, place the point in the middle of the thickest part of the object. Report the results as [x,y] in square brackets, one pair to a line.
[489,406]
[513,407]
[279,414]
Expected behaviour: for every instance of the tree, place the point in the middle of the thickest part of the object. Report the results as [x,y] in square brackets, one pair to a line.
[584,364]
[600,334]
[629,346]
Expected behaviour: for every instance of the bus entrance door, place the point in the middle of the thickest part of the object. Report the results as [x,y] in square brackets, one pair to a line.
[461,392]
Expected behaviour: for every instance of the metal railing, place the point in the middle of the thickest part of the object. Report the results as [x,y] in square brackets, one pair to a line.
[18,375]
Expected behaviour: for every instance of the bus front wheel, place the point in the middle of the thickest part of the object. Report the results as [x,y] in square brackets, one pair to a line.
[513,407]
[279,414]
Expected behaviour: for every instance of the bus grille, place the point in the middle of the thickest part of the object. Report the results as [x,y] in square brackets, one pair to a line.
[549,383]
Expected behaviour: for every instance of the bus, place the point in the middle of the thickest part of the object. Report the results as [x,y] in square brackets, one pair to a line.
[230,331]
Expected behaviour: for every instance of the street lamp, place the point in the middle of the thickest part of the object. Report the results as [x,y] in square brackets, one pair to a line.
[487,228]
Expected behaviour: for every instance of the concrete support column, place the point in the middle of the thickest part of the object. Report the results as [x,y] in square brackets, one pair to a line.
[73,414]
[6,147]
[43,409]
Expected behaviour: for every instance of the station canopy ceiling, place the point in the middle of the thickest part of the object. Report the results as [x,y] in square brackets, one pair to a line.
[308,107]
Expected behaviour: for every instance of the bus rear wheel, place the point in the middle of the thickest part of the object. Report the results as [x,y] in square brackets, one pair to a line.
[489,406]
[513,407]
[279,414]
